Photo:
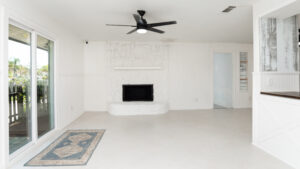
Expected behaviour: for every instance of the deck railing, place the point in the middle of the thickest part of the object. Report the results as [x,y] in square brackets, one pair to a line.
[19,101]
[18,105]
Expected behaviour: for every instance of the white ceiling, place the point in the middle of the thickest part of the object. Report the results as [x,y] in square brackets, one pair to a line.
[198,20]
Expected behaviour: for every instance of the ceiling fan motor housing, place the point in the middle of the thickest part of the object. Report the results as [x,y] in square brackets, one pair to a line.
[141,12]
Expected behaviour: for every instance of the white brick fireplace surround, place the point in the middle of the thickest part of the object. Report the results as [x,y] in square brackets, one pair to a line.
[137,63]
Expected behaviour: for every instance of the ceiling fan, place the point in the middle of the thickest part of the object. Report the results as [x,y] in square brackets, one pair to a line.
[142,26]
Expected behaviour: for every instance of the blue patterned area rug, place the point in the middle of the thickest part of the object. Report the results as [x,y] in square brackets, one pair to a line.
[74,147]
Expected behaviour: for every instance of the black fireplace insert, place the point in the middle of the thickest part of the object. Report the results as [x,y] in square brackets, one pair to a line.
[140,92]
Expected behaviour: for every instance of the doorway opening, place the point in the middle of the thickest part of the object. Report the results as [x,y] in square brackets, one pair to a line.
[223,77]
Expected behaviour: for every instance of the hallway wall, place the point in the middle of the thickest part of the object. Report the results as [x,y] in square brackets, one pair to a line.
[276,120]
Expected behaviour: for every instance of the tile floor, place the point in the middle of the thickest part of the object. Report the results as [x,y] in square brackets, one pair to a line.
[200,139]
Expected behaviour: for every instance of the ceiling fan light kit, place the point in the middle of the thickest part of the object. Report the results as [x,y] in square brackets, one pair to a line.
[142,26]
[141,31]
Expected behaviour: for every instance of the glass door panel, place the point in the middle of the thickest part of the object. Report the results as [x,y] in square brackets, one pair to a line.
[45,89]
[19,76]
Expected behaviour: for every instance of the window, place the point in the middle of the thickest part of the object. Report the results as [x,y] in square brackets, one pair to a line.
[279,56]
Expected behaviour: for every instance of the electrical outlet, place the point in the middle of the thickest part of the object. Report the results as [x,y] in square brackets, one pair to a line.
[72,108]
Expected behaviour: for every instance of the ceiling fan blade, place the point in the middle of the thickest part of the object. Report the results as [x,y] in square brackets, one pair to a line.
[138,18]
[155,30]
[120,25]
[162,23]
[130,32]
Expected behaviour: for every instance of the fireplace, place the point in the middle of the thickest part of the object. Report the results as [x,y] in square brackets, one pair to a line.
[141,92]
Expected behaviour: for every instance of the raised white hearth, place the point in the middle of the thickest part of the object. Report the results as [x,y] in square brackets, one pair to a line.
[137,108]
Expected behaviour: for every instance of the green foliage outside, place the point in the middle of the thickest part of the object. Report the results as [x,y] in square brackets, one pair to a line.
[20,84]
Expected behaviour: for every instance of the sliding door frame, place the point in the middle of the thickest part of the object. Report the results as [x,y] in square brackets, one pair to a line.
[34,30]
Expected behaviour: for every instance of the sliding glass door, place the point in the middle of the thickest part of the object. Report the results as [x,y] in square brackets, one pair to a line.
[45,85]
[31,86]
[19,79]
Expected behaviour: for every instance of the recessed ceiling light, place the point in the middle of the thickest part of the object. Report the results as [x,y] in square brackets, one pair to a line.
[229,9]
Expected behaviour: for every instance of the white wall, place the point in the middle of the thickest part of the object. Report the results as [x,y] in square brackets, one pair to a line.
[223,79]
[187,73]
[68,65]
[3,117]
[276,120]
[95,76]
[280,82]
[68,59]
[191,76]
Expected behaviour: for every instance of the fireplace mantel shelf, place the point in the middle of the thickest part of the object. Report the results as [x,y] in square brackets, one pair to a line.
[137,68]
